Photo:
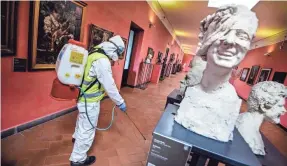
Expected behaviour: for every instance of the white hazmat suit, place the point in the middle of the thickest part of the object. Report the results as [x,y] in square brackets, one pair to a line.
[101,68]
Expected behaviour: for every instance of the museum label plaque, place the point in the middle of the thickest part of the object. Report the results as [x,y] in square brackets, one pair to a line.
[19,65]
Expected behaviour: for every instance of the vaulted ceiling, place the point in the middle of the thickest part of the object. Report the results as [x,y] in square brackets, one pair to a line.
[184,18]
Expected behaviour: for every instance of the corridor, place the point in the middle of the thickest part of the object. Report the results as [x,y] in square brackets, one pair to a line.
[245,43]
[125,144]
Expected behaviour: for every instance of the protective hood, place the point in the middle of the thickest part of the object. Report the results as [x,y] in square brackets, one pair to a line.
[113,48]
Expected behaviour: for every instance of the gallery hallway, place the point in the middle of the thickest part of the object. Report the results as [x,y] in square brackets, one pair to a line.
[125,144]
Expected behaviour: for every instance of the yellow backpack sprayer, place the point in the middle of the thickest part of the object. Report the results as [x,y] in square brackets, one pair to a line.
[70,67]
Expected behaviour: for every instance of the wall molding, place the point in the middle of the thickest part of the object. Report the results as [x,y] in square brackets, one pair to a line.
[36,122]
[28,125]
[282,127]
[276,38]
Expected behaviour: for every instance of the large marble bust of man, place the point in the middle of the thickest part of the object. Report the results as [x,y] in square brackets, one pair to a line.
[212,107]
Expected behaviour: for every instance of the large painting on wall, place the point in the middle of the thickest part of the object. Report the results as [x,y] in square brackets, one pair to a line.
[9,10]
[264,75]
[253,74]
[279,77]
[98,35]
[52,24]
[244,74]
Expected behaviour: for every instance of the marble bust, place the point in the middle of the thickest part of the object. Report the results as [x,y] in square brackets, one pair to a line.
[265,102]
[149,58]
[212,107]
[194,75]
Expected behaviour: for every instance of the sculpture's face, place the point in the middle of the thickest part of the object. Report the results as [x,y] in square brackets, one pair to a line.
[273,112]
[229,50]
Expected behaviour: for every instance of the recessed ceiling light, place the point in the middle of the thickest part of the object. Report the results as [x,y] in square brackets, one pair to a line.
[218,3]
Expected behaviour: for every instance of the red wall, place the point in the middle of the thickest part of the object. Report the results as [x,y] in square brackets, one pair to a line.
[277,61]
[25,96]
[186,59]
[117,17]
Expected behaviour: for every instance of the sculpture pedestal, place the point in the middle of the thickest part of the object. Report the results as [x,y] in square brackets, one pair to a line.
[145,73]
[173,97]
[273,156]
[174,69]
[168,70]
[173,145]
[155,73]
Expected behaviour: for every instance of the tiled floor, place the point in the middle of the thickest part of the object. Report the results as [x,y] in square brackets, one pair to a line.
[125,144]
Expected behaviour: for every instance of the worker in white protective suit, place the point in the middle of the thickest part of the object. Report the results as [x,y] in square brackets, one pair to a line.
[97,70]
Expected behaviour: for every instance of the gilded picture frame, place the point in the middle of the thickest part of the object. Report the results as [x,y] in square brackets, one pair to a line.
[253,74]
[52,24]
[9,19]
[244,74]
[264,75]
[97,35]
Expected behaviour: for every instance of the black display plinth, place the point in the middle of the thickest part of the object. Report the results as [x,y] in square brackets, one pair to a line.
[173,97]
[144,76]
[172,144]
[273,156]
[174,69]
[162,73]
[168,70]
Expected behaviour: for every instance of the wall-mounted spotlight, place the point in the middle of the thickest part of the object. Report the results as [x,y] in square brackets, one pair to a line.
[267,54]
[151,25]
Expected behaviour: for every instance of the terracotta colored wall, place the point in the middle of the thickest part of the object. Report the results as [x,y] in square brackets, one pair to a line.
[186,59]
[277,61]
[25,96]
[117,17]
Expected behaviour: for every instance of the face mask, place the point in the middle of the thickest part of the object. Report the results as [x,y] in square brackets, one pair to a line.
[119,51]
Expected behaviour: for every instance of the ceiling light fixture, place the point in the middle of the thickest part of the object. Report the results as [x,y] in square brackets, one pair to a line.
[183,33]
[267,54]
[218,3]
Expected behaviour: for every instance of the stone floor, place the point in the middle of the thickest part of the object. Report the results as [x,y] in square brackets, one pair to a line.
[125,144]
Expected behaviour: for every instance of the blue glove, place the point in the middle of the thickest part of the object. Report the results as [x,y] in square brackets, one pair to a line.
[123,107]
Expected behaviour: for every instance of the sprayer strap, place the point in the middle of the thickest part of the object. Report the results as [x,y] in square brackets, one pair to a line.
[99,50]
[91,85]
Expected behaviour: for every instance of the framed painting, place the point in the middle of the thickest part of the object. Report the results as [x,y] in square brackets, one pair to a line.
[253,74]
[52,24]
[9,10]
[98,35]
[264,75]
[244,74]
[279,77]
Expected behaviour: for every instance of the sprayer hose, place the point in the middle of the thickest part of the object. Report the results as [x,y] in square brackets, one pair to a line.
[101,129]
